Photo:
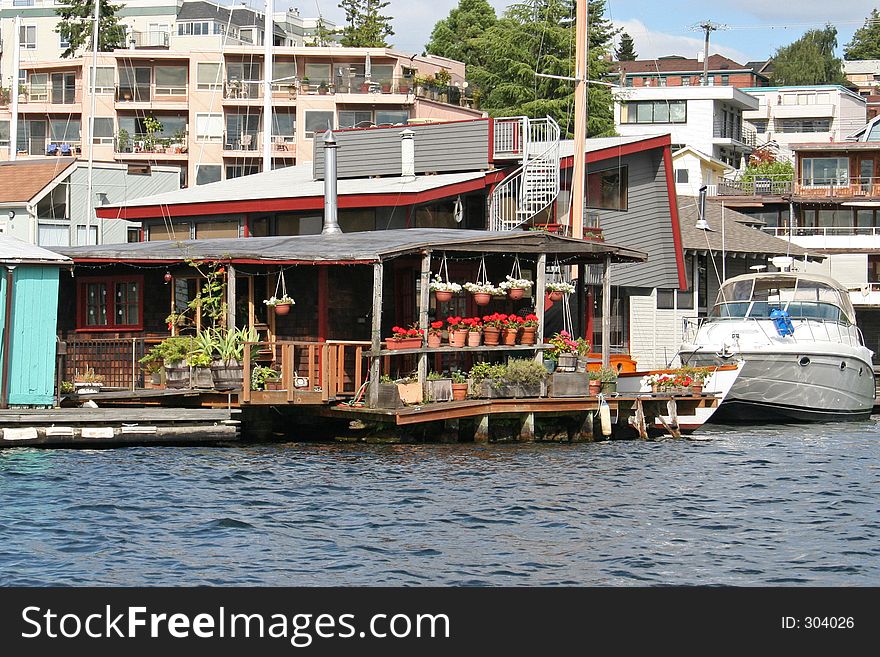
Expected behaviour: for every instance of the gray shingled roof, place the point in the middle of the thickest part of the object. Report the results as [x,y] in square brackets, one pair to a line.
[241,17]
[14,251]
[366,247]
[738,238]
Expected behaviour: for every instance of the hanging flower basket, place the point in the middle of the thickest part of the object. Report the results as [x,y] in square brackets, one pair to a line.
[483,292]
[557,289]
[280,302]
[515,285]
[442,287]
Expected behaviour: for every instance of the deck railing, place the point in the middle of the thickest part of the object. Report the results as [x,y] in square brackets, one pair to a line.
[116,359]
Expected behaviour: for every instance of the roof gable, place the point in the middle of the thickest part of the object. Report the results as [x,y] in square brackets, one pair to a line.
[22,180]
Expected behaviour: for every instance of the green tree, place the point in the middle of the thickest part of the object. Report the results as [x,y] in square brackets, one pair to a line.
[365,26]
[626,51]
[323,35]
[809,60]
[457,35]
[865,43]
[538,36]
[75,26]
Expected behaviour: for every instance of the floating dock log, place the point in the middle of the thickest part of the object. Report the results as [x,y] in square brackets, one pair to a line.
[117,427]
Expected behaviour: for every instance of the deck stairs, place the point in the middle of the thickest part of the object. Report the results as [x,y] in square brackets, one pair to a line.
[534,185]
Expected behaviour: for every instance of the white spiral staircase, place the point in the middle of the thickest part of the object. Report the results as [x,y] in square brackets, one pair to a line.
[533,186]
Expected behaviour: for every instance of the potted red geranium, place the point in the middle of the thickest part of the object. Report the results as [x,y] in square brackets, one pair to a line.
[434,334]
[475,331]
[510,330]
[404,338]
[458,331]
[529,329]
[492,328]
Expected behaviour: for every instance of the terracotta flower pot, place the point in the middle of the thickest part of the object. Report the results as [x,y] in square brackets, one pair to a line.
[282,308]
[482,299]
[697,388]
[433,340]
[508,335]
[556,295]
[459,391]
[528,335]
[457,338]
[473,338]
[442,296]
[595,387]
[403,343]
[516,293]
[491,334]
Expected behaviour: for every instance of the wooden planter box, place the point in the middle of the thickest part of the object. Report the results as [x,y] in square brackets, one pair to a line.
[411,393]
[568,384]
[439,390]
[389,397]
[201,377]
[177,375]
[491,389]
[227,375]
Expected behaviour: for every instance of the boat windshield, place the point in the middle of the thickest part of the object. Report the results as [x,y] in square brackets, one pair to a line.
[801,297]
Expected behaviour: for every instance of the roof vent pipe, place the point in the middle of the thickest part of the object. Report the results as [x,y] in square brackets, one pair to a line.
[331,223]
[407,154]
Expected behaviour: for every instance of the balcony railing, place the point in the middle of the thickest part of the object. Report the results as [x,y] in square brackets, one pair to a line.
[838,187]
[149,39]
[47,93]
[737,131]
[822,231]
[150,93]
[283,145]
[146,143]
[758,186]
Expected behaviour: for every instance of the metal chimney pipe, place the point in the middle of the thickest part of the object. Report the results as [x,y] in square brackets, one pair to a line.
[407,154]
[331,206]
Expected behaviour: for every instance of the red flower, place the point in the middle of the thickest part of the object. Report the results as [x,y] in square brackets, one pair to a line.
[437,325]
[531,318]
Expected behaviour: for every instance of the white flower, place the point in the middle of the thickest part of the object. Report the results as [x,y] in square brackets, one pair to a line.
[279,301]
[515,283]
[561,286]
[439,285]
[484,288]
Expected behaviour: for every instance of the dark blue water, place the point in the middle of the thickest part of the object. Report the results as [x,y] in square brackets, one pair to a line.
[769,506]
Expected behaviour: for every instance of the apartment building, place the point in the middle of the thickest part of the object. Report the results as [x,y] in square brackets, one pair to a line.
[201,109]
[865,76]
[678,71]
[796,114]
[706,119]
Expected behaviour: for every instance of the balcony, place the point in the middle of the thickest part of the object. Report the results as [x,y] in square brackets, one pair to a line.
[250,144]
[42,146]
[734,132]
[757,186]
[244,92]
[829,237]
[838,188]
[157,39]
[146,146]
[48,94]
[151,96]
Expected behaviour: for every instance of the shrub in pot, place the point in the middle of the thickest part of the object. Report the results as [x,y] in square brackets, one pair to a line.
[459,386]
[228,370]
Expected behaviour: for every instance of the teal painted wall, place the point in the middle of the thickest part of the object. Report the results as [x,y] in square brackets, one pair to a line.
[34,321]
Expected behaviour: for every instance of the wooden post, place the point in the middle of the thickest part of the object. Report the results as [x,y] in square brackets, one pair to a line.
[606,313]
[424,301]
[230,297]
[376,335]
[639,420]
[481,431]
[246,367]
[583,432]
[527,428]
[671,426]
[323,303]
[540,294]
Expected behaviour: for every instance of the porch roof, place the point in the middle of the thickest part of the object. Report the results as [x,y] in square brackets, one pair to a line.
[356,248]
[14,251]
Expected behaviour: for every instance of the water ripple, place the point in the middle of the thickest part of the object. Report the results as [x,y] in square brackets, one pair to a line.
[764,506]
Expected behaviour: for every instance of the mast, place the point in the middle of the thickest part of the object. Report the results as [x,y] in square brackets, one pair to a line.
[90,201]
[268,42]
[576,218]
[13,89]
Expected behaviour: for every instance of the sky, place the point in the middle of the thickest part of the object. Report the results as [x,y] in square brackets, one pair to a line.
[755,28]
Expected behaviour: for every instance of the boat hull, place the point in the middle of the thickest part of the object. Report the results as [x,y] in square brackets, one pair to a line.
[795,387]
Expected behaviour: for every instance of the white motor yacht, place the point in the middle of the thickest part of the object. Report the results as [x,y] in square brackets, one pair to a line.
[804,357]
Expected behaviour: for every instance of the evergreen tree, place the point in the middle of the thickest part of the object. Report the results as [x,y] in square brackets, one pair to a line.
[809,60]
[323,35]
[626,52]
[865,43]
[456,36]
[538,36]
[365,26]
[75,26]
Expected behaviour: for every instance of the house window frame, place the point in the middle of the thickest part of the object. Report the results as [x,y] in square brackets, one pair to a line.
[217,84]
[104,139]
[208,137]
[110,282]
[622,172]
[23,37]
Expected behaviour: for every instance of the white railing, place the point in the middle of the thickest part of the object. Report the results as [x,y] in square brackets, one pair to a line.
[510,136]
[807,328]
[822,231]
[532,187]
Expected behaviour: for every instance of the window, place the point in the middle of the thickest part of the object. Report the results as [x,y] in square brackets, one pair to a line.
[132,234]
[681,176]
[725,80]
[317,74]
[134,83]
[64,130]
[63,88]
[39,90]
[208,173]
[244,77]
[242,132]
[63,42]
[317,122]
[105,77]
[209,127]
[103,130]
[608,190]
[685,81]
[284,126]
[194,29]
[4,133]
[28,36]
[824,171]
[53,235]
[110,304]
[208,76]
[660,111]
[22,3]
[171,80]
[662,80]
[284,71]
[238,170]
[760,125]
[392,117]
[208,230]
[665,299]
[805,125]
[352,119]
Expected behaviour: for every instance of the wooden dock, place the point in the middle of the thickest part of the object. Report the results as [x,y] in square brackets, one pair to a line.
[116,427]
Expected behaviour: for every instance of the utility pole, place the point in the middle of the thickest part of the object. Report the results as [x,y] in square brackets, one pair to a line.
[708,27]
[268,43]
[13,89]
[90,201]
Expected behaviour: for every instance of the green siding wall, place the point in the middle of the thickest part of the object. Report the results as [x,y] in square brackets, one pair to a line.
[34,320]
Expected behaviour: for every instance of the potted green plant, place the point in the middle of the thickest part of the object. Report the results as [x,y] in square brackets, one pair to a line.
[323,88]
[435,334]
[172,353]
[605,378]
[304,85]
[564,351]
[153,126]
[227,369]
[526,377]
[200,369]
[88,382]
[483,291]
[263,377]
[438,388]
[489,380]
[529,329]
[410,390]
[443,290]
[404,338]
[152,372]
[459,387]
[123,141]
[281,305]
